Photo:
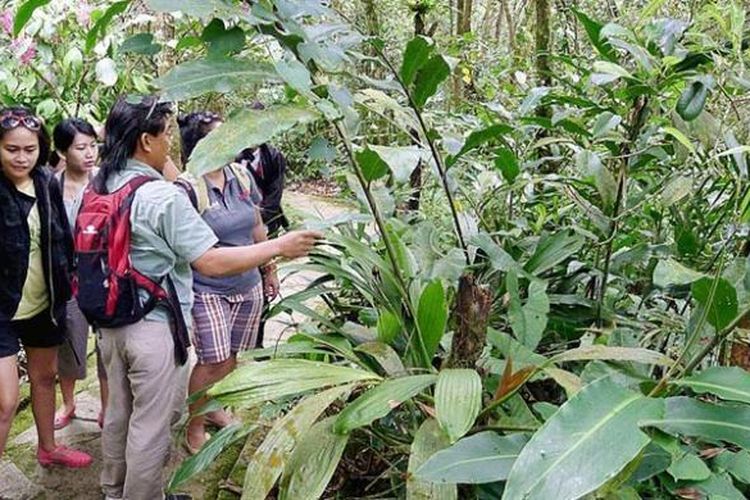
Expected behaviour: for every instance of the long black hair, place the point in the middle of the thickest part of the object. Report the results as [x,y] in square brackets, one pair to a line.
[193,128]
[127,120]
[41,133]
[65,132]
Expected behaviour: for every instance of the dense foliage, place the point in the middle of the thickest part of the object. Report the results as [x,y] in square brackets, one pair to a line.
[545,282]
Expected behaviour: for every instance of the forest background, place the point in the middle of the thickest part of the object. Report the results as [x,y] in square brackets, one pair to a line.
[543,290]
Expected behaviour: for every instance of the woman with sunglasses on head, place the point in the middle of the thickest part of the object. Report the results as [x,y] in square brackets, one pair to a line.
[35,262]
[227,310]
[166,239]
[76,144]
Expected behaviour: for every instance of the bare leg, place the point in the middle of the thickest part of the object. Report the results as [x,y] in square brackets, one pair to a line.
[42,373]
[67,389]
[202,377]
[8,397]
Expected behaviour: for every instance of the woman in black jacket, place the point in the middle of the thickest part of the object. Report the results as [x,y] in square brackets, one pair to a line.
[35,259]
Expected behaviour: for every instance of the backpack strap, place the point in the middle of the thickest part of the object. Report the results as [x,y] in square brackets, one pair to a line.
[196,190]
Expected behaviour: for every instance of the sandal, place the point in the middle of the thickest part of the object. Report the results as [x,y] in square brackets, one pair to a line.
[64,456]
[63,419]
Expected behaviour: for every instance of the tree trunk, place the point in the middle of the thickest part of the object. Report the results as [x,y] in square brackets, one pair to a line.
[542,30]
[471,315]
[415,179]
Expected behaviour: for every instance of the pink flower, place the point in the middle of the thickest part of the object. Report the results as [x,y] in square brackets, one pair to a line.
[24,49]
[6,20]
[83,14]
[29,54]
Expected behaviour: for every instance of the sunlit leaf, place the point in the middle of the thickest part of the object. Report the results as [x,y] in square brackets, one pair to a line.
[569,444]
[484,457]
[458,399]
[380,401]
[428,440]
[245,129]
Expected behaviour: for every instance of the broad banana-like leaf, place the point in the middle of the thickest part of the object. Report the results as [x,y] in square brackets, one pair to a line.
[690,417]
[255,383]
[570,444]
[245,129]
[458,400]
[215,74]
[313,462]
[430,438]
[485,457]
[268,462]
[613,353]
[380,401]
[728,383]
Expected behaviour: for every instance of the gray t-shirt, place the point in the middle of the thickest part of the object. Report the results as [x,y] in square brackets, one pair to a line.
[232,215]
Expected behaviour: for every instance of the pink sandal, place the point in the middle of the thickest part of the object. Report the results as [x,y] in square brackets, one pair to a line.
[64,456]
[62,420]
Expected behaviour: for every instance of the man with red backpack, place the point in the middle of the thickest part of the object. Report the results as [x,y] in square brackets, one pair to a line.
[135,283]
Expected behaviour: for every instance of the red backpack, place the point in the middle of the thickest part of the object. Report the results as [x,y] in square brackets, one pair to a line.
[105,282]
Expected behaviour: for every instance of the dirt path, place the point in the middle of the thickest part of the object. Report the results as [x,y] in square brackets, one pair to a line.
[21,478]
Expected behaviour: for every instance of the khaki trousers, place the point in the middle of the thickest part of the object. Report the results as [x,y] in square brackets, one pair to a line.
[141,370]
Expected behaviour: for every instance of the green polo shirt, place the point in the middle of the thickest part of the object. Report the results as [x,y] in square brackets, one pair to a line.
[167,234]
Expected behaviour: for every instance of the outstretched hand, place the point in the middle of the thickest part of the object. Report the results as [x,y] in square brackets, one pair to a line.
[298,243]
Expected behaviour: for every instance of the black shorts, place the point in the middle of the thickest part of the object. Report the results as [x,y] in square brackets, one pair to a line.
[38,331]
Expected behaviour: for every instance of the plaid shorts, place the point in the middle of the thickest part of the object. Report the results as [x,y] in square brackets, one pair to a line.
[224,325]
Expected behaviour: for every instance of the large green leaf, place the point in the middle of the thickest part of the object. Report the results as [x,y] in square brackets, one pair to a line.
[737,464]
[248,128]
[554,249]
[142,43]
[222,41]
[432,316]
[372,166]
[723,306]
[484,457]
[24,13]
[417,51]
[97,31]
[402,160]
[528,321]
[693,98]
[573,444]
[268,461]
[313,462]
[429,78]
[669,272]
[498,257]
[690,417]
[197,77]
[478,138]
[507,162]
[428,440]
[380,401]
[208,453]
[612,353]
[384,354]
[458,399]
[274,379]
[593,30]
[729,383]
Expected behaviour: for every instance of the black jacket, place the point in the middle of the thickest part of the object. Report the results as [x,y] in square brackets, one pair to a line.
[56,243]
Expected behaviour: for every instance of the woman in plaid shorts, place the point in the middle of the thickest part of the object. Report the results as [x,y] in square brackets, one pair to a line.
[227,311]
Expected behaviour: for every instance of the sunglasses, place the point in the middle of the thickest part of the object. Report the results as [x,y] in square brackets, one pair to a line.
[11,120]
[208,117]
